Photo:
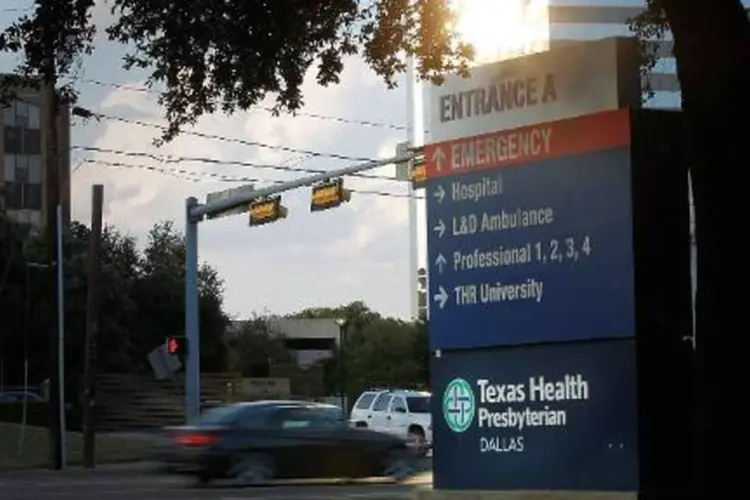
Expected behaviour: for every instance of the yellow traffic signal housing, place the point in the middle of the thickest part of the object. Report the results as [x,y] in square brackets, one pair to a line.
[266,211]
[329,195]
[418,176]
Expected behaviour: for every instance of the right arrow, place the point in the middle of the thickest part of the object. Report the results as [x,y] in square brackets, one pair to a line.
[440,228]
[440,262]
[439,194]
[441,297]
[438,158]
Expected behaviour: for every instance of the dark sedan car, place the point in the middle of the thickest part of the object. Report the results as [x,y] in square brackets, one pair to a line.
[253,443]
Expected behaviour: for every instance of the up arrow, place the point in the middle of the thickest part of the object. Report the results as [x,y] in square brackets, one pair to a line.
[441,298]
[440,262]
[438,158]
[440,228]
[439,194]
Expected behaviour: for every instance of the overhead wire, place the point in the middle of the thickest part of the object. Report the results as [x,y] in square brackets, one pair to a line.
[193,176]
[216,161]
[86,113]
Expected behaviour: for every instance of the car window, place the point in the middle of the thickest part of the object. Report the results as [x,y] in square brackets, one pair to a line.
[322,417]
[221,415]
[365,401]
[252,418]
[418,404]
[381,404]
[398,405]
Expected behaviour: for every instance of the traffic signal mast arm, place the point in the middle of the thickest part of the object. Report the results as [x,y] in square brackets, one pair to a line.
[197,212]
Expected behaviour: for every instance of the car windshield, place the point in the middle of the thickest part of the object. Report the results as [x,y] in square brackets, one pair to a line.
[220,415]
[418,404]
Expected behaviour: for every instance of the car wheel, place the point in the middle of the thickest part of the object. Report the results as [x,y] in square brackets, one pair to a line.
[399,467]
[251,470]
[417,442]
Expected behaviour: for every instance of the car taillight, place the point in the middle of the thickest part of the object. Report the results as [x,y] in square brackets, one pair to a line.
[195,440]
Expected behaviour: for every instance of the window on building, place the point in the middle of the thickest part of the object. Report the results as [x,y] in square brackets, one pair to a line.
[9,115]
[22,169]
[34,117]
[13,195]
[9,167]
[22,114]
[32,196]
[13,140]
[35,169]
[32,142]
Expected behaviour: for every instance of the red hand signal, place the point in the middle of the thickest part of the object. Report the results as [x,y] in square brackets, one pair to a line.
[173,346]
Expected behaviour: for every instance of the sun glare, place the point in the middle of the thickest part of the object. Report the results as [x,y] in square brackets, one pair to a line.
[500,29]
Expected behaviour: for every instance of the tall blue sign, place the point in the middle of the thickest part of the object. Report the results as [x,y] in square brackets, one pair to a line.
[530,235]
[544,417]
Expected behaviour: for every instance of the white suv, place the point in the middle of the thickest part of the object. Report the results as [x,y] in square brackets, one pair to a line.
[403,413]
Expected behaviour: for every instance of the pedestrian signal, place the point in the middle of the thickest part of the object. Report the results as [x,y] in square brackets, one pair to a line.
[175,346]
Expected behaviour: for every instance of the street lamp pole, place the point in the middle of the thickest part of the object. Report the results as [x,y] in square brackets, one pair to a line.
[342,372]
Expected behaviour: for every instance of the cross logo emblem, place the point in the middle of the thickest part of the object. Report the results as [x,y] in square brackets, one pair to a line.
[458,405]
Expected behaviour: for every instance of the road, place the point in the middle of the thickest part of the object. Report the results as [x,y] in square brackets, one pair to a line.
[122,485]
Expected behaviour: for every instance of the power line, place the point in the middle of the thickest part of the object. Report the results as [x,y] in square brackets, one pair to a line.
[318,116]
[214,161]
[193,176]
[85,113]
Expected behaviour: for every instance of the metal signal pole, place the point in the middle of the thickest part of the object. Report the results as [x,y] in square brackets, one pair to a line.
[92,327]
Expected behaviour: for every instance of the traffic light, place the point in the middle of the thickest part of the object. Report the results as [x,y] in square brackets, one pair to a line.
[330,194]
[176,346]
[418,174]
[266,211]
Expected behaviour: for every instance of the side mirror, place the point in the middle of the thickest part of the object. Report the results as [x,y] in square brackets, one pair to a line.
[399,410]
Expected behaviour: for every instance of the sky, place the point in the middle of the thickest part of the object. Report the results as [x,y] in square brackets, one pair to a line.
[359,251]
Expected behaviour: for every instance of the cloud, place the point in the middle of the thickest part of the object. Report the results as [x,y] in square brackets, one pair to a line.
[357,251]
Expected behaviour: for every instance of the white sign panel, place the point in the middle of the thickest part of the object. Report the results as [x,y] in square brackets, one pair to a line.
[229,193]
[563,83]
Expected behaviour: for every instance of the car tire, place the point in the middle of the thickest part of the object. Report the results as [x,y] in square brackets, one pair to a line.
[417,441]
[399,466]
[253,469]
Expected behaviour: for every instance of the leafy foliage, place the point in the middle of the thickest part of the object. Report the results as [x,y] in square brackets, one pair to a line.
[142,301]
[650,26]
[230,55]
[253,346]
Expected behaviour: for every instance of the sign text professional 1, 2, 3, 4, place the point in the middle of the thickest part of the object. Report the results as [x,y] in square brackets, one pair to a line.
[531,241]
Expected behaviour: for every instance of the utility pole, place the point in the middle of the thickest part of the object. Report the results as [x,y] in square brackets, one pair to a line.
[92,326]
[52,199]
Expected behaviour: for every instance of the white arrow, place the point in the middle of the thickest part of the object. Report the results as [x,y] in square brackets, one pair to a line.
[441,298]
[439,194]
[438,157]
[440,228]
[440,262]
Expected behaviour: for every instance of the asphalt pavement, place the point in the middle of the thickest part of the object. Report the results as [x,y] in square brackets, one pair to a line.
[139,484]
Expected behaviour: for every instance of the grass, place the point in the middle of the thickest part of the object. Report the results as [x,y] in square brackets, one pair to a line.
[35,453]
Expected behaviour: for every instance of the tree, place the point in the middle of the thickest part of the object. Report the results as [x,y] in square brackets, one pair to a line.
[712,48]
[253,347]
[142,302]
[229,55]
[160,295]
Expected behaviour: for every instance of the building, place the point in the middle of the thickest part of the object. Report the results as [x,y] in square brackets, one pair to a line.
[309,340]
[579,20]
[22,172]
